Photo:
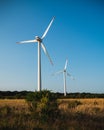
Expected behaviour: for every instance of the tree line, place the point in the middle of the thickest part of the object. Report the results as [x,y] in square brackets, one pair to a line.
[23,95]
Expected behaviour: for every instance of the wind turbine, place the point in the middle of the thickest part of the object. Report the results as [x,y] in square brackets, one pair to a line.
[65,73]
[39,40]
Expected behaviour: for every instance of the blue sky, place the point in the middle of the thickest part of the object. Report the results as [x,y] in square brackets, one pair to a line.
[77,34]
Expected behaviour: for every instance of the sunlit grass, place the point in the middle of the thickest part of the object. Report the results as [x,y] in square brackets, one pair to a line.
[93,106]
[89,112]
[13,102]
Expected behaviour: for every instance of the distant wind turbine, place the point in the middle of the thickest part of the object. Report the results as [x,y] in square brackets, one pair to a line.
[40,44]
[65,73]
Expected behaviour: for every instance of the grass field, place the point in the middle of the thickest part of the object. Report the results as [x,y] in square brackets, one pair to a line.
[13,102]
[76,114]
[94,106]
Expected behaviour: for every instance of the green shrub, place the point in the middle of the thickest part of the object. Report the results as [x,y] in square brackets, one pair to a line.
[43,106]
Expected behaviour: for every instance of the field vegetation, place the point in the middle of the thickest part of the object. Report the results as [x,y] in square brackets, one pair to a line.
[43,111]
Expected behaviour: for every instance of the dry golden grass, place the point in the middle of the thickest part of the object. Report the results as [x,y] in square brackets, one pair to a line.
[86,114]
[13,102]
[93,106]
[19,105]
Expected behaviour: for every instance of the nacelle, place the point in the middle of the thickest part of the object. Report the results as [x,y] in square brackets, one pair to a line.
[64,70]
[38,39]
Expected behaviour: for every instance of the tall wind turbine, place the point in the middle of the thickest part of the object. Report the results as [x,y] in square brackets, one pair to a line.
[65,73]
[39,40]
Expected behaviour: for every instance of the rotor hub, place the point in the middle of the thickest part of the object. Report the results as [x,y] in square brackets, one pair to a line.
[64,70]
[38,39]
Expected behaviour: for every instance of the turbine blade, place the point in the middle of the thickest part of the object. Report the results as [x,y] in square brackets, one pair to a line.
[71,76]
[59,72]
[28,41]
[66,64]
[46,52]
[47,28]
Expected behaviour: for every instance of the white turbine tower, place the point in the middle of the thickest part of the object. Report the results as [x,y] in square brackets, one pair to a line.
[39,40]
[65,73]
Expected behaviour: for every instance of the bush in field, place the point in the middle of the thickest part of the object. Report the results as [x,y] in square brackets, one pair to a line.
[74,104]
[4,111]
[43,106]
